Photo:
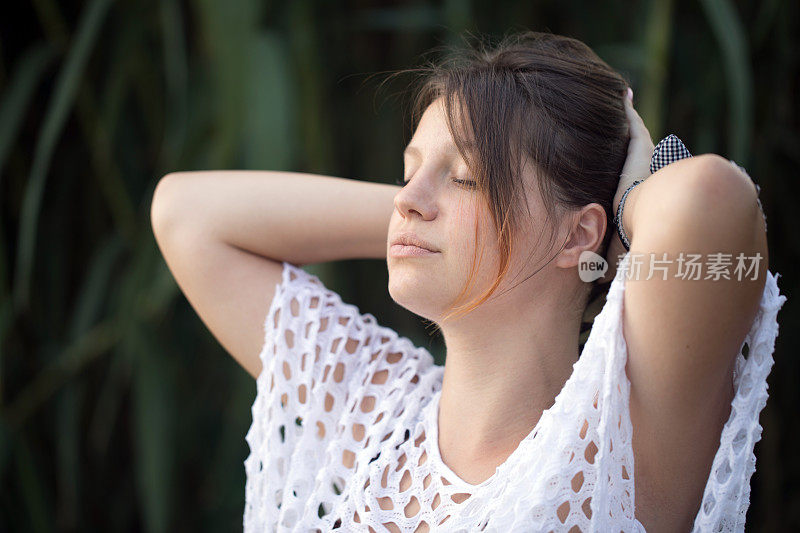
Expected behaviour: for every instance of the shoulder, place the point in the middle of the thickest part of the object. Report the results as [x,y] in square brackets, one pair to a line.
[309,320]
[329,370]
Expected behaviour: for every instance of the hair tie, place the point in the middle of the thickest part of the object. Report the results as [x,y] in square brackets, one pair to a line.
[668,150]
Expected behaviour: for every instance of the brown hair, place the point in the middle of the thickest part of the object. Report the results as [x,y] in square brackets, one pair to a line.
[534,95]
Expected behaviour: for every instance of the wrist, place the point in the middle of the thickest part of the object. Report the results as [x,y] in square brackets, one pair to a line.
[629,211]
[623,208]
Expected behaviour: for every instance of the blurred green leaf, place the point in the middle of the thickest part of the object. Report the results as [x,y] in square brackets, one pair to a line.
[152,428]
[730,35]
[32,488]
[6,446]
[176,78]
[109,402]
[64,366]
[92,296]
[18,94]
[68,456]
[229,30]
[649,98]
[57,110]
[269,100]
[307,50]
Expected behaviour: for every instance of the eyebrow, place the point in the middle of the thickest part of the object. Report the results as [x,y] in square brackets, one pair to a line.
[413,150]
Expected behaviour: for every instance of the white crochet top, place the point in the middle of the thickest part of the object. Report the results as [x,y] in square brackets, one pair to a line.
[344,431]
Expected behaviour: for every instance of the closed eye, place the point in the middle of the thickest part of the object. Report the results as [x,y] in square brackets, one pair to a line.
[466,183]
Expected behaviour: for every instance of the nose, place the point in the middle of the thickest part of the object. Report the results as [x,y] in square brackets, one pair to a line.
[416,197]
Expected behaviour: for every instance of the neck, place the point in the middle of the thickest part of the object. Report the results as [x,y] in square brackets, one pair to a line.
[502,371]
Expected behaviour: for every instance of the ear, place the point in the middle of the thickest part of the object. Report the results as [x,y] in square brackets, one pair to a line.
[586,228]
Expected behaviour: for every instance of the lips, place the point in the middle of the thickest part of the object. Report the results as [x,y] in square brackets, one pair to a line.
[411,239]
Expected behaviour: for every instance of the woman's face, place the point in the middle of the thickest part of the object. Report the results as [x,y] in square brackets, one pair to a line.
[442,211]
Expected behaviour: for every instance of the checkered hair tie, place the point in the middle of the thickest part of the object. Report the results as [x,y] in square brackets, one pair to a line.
[668,150]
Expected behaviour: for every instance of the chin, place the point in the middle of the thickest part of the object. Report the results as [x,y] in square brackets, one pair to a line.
[409,293]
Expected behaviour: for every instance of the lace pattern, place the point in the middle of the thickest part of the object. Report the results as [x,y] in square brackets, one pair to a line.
[344,432]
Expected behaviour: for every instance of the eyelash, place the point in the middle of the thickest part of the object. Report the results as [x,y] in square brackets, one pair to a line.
[467,183]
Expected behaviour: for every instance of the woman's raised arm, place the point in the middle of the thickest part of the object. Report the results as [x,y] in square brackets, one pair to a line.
[287,216]
[223,235]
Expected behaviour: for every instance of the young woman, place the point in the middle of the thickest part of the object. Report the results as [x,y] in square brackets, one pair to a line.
[520,158]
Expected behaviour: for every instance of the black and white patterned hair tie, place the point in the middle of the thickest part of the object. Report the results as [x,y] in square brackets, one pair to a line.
[668,150]
[671,149]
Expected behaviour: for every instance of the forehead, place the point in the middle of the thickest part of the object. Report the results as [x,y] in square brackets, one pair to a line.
[432,136]
[432,139]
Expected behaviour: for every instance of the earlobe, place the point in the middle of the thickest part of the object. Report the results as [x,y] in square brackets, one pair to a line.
[570,253]
[568,257]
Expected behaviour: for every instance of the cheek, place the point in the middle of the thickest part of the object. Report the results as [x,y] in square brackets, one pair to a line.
[487,234]
[468,243]
[461,234]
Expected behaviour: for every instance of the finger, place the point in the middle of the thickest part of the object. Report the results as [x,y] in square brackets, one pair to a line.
[638,129]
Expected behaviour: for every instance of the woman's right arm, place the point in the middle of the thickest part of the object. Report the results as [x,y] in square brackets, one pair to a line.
[224,234]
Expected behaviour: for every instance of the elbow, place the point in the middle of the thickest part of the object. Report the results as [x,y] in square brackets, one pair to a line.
[163,203]
[722,200]
[729,193]
[720,181]
[712,192]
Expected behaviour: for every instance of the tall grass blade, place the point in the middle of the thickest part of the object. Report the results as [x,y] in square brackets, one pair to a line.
[730,35]
[58,107]
[18,94]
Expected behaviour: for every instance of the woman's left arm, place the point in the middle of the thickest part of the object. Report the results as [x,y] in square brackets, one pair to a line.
[684,327]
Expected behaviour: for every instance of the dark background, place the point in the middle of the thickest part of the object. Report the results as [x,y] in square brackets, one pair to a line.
[120,411]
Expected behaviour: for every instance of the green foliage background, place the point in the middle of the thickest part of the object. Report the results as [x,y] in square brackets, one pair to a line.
[120,412]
